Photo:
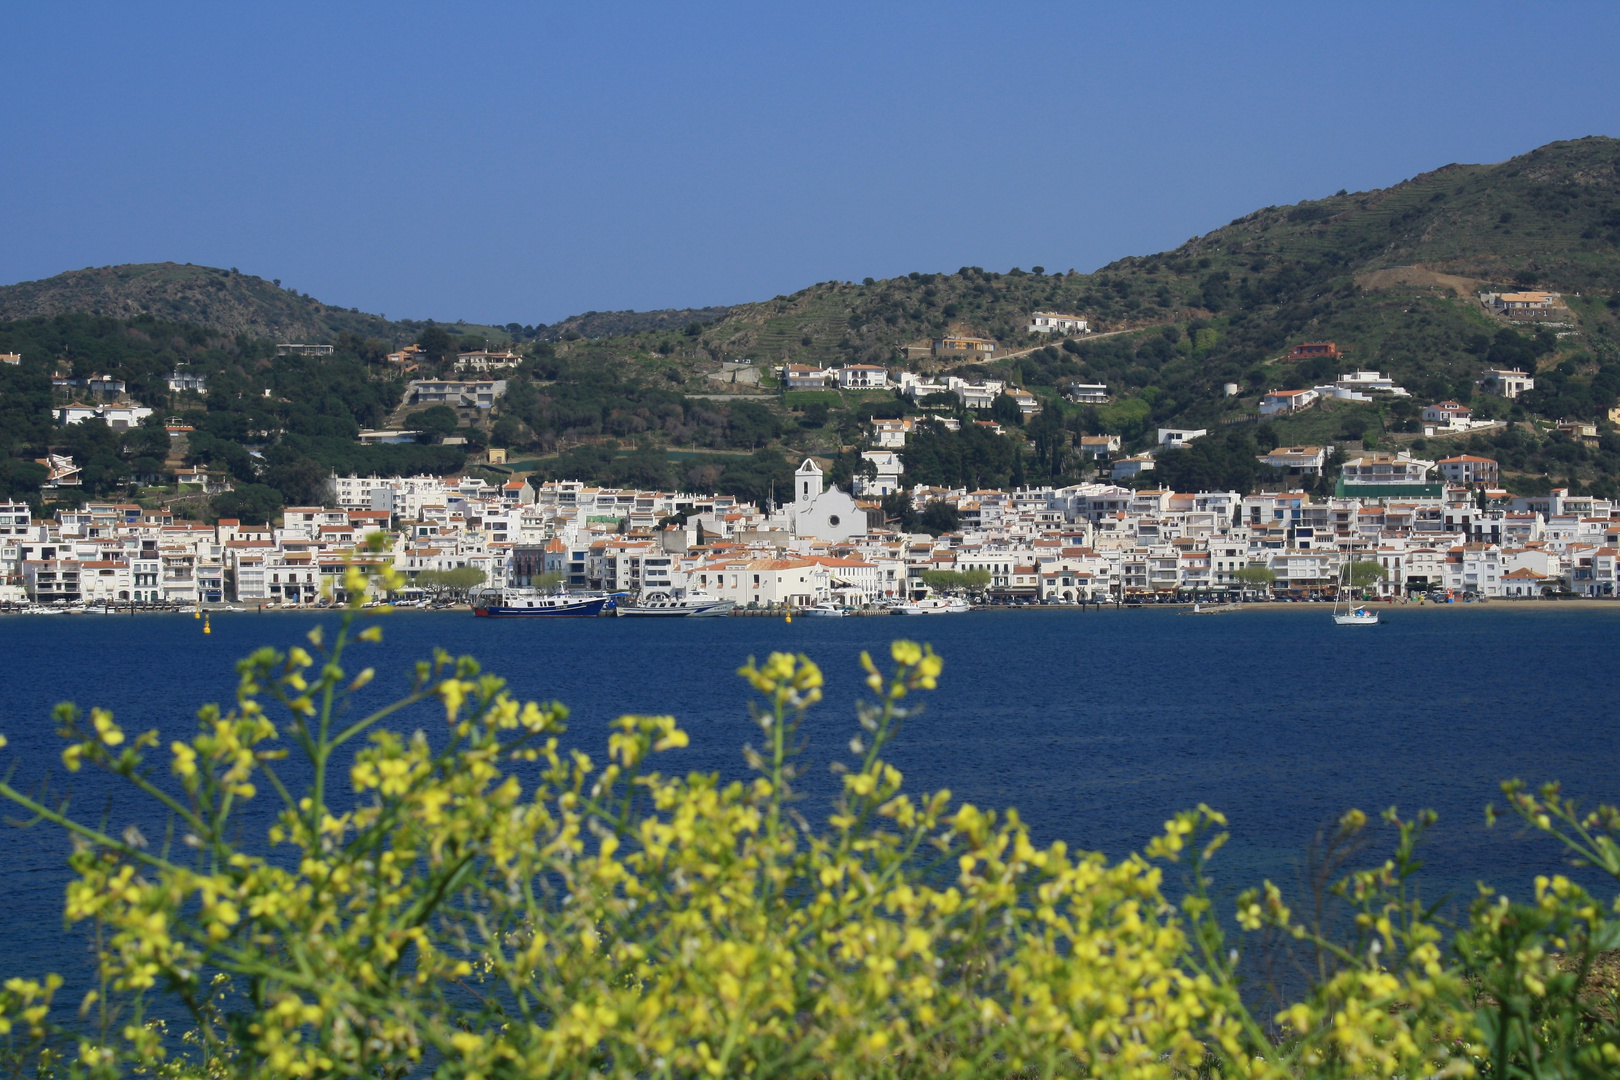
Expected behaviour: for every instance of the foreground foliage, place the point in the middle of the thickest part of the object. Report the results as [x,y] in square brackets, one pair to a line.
[479,902]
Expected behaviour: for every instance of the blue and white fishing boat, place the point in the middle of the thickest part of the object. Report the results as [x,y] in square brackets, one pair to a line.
[519,603]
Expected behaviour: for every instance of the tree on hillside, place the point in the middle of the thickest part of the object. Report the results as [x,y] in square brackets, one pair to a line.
[939,517]
[1005,410]
[301,480]
[899,511]
[251,504]
[433,420]
[436,344]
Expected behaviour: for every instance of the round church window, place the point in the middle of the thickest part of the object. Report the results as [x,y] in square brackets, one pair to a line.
[833,521]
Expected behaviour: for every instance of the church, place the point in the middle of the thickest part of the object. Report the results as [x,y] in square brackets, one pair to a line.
[820,511]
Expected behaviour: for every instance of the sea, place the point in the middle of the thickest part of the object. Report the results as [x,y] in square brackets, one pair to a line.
[1096,726]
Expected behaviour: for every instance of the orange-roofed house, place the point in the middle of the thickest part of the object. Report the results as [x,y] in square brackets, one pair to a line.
[1312,350]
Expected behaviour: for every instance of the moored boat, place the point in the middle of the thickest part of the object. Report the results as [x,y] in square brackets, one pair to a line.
[826,609]
[533,604]
[1354,614]
[659,604]
[933,605]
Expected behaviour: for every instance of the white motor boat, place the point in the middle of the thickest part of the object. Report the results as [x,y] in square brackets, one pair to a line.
[933,605]
[658,604]
[826,609]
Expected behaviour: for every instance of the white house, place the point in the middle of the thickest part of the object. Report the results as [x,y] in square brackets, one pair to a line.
[1026,401]
[1508,384]
[1088,393]
[890,434]
[1126,468]
[820,511]
[1287,401]
[1366,381]
[1180,436]
[863,377]
[887,479]
[1376,468]
[861,581]
[483,360]
[1475,568]
[1304,460]
[183,380]
[475,393]
[1448,413]
[1052,322]
[1470,469]
[976,393]
[1097,446]
[118,417]
[764,582]
[917,387]
[804,377]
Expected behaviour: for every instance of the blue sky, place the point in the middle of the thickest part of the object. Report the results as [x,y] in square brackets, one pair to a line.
[526,162]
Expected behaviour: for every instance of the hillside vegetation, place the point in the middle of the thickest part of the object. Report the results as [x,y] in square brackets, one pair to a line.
[1392,276]
[224,301]
[602,324]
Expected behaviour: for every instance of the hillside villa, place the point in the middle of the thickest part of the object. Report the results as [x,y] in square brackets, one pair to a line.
[1297,460]
[1287,401]
[1311,350]
[1508,384]
[1052,322]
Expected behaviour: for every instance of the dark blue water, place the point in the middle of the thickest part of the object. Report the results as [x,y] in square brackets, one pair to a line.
[1096,726]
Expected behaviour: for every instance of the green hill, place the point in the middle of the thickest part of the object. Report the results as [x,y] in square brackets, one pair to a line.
[603,324]
[226,301]
[1550,218]
[1391,275]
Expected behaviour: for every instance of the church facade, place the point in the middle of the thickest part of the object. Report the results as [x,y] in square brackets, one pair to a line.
[820,511]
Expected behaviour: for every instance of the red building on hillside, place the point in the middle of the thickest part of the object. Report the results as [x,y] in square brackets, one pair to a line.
[1313,349]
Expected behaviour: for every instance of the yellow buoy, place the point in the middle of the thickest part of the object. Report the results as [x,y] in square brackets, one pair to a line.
[196,613]
[206,628]
[789,616]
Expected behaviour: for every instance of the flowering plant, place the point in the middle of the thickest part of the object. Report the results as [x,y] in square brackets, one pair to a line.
[487,904]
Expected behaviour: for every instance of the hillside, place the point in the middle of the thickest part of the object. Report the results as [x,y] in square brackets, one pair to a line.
[1186,338]
[1390,275]
[225,301]
[603,324]
[1550,217]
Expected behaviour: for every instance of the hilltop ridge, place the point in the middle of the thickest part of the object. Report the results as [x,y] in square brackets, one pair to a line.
[226,301]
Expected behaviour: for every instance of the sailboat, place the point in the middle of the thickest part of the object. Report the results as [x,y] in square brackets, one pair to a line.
[1353,614]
